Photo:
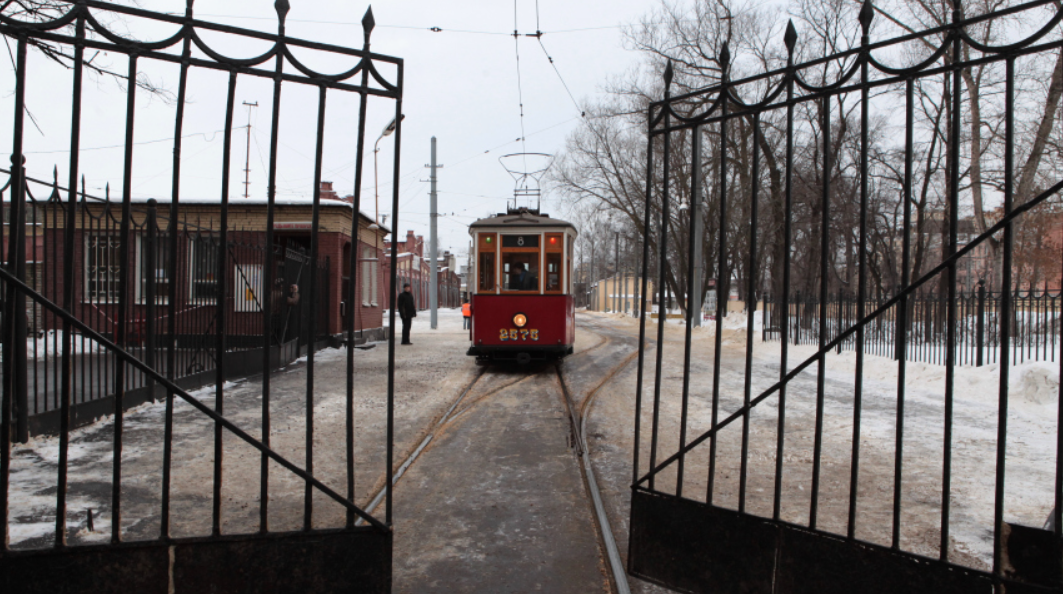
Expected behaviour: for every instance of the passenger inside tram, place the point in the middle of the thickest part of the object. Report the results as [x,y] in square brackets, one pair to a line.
[520,278]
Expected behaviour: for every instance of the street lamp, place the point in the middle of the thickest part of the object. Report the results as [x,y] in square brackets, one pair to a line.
[376,170]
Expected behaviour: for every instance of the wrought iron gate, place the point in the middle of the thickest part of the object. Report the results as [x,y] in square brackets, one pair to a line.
[125,263]
[777,469]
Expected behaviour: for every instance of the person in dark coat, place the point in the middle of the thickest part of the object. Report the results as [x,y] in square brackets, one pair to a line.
[522,279]
[407,311]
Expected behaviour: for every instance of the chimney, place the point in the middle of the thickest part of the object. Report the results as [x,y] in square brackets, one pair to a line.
[411,242]
[327,193]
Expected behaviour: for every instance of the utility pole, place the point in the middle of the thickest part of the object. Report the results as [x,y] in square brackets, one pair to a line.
[247,155]
[594,280]
[627,300]
[694,301]
[433,247]
[616,275]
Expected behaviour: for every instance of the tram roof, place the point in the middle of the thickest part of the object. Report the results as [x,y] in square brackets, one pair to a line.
[521,220]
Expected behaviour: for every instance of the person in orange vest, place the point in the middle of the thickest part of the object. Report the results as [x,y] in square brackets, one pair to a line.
[466,314]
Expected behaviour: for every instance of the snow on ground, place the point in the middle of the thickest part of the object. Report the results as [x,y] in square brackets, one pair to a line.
[427,376]
[1033,395]
[34,464]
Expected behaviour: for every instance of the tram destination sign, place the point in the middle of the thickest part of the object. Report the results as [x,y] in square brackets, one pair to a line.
[520,241]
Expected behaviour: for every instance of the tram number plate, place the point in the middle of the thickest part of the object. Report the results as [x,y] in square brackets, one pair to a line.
[513,334]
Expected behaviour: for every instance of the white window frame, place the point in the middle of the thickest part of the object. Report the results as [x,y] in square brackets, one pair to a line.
[370,277]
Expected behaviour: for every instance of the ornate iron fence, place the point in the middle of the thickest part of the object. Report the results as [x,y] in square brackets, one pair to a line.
[128,297]
[811,479]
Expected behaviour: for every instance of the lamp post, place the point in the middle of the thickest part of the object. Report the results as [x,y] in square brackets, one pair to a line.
[376,169]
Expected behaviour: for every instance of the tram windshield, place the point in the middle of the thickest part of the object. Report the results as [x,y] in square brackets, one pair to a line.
[520,271]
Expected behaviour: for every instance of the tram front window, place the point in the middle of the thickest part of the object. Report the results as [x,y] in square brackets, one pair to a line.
[520,272]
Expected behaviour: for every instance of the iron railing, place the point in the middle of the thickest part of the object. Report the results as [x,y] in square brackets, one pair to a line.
[1034,325]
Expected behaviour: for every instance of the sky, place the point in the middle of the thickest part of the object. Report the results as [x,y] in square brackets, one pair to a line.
[461,86]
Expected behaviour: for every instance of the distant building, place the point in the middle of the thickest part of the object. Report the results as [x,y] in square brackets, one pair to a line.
[411,266]
[619,293]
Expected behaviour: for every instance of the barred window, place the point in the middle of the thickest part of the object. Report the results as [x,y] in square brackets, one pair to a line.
[103,262]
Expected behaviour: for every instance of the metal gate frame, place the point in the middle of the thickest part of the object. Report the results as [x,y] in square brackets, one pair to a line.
[349,557]
[700,546]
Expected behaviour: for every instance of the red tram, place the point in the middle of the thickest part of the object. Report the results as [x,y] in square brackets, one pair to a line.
[521,289]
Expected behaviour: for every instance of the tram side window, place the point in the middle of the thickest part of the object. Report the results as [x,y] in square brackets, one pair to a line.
[553,271]
[487,271]
[513,280]
[568,268]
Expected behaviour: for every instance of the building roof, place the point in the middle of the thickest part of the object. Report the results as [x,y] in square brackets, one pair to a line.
[237,202]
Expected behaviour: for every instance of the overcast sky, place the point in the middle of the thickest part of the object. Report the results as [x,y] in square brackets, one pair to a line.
[461,86]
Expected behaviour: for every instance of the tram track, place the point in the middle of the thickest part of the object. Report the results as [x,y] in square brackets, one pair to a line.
[452,413]
[578,413]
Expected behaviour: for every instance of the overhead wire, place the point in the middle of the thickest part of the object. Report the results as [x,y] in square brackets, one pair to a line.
[582,113]
[433,29]
[520,91]
[213,134]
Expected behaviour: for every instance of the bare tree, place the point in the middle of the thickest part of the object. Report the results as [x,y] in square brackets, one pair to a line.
[37,11]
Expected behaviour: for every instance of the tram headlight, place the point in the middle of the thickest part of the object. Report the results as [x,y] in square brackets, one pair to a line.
[520,320]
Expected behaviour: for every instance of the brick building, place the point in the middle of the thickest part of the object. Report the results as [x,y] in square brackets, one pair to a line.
[98,263]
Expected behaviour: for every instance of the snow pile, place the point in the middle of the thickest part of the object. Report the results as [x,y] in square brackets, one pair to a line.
[50,343]
[1035,383]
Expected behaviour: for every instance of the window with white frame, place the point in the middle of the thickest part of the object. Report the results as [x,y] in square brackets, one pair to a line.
[203,283]
[370,278]
[103,267]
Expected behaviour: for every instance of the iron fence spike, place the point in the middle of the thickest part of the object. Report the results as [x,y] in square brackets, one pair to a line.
[867,14]
[368,22]
[282,7]
[790,37]
[668,73]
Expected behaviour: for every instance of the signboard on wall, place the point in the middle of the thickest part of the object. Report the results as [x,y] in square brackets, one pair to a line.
[248,284]
[294,226]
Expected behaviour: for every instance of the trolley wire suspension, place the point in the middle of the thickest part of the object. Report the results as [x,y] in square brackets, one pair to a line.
[520,90]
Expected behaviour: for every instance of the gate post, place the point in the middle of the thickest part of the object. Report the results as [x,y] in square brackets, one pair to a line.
[151,257]
[15,314]
[841,298]
[980,338]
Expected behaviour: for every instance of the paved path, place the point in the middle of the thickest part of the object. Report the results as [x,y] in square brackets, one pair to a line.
[497,503]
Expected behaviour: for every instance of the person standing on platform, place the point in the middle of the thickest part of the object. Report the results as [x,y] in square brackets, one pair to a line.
[466,314]
[407,311]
